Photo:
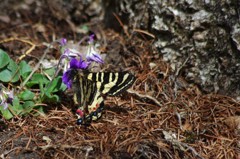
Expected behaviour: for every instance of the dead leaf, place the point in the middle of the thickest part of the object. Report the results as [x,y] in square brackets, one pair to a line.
[187,126]
[233,122]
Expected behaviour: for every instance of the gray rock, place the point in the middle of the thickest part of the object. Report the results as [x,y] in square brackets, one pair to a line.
[205,33]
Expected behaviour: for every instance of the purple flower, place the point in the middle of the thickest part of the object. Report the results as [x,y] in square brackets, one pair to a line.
[70,53]
[91,38]
[63,41]
[10,97]
[67,79]
[66,52]
[76,57]
[75,64]
[90,53]
[93,55]
[6,97]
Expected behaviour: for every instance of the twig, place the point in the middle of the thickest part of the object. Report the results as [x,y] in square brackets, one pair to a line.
[33,46]
[120,22]
[180,68]
[29,141]
[144,32]
[190,148]
[64,154]
[179,120]
[36,67]
[182,146]
[145,96]
[49,146]
[15,115]
[7,152]
[177,74]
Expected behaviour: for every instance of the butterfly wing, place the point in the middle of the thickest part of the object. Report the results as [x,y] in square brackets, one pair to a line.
[88,98]
[112,84]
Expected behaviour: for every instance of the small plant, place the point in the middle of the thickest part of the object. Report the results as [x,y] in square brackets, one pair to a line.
[18,99]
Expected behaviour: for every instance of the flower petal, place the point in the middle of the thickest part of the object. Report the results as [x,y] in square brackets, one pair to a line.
[95,57]
[66,78]
[6,97]
[63,41]
[82,64]
[5,106]
[74,63]
[66,52]
[91,38]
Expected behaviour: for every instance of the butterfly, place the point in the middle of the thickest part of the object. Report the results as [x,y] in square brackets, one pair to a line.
[90,89]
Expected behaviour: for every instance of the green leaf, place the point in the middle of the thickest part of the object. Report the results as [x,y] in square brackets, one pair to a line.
[40,111]
[47,93]
[27,107]
[6,113]
[15,102]
[16,106]
[50,71]
[9,73]
[25,69]
[37,79]
[50,98]
[15,73]
[56,85]
[4,58]
[26,95]
[5,74]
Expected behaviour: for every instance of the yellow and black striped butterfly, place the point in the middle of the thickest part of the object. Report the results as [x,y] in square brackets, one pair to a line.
[90,88]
